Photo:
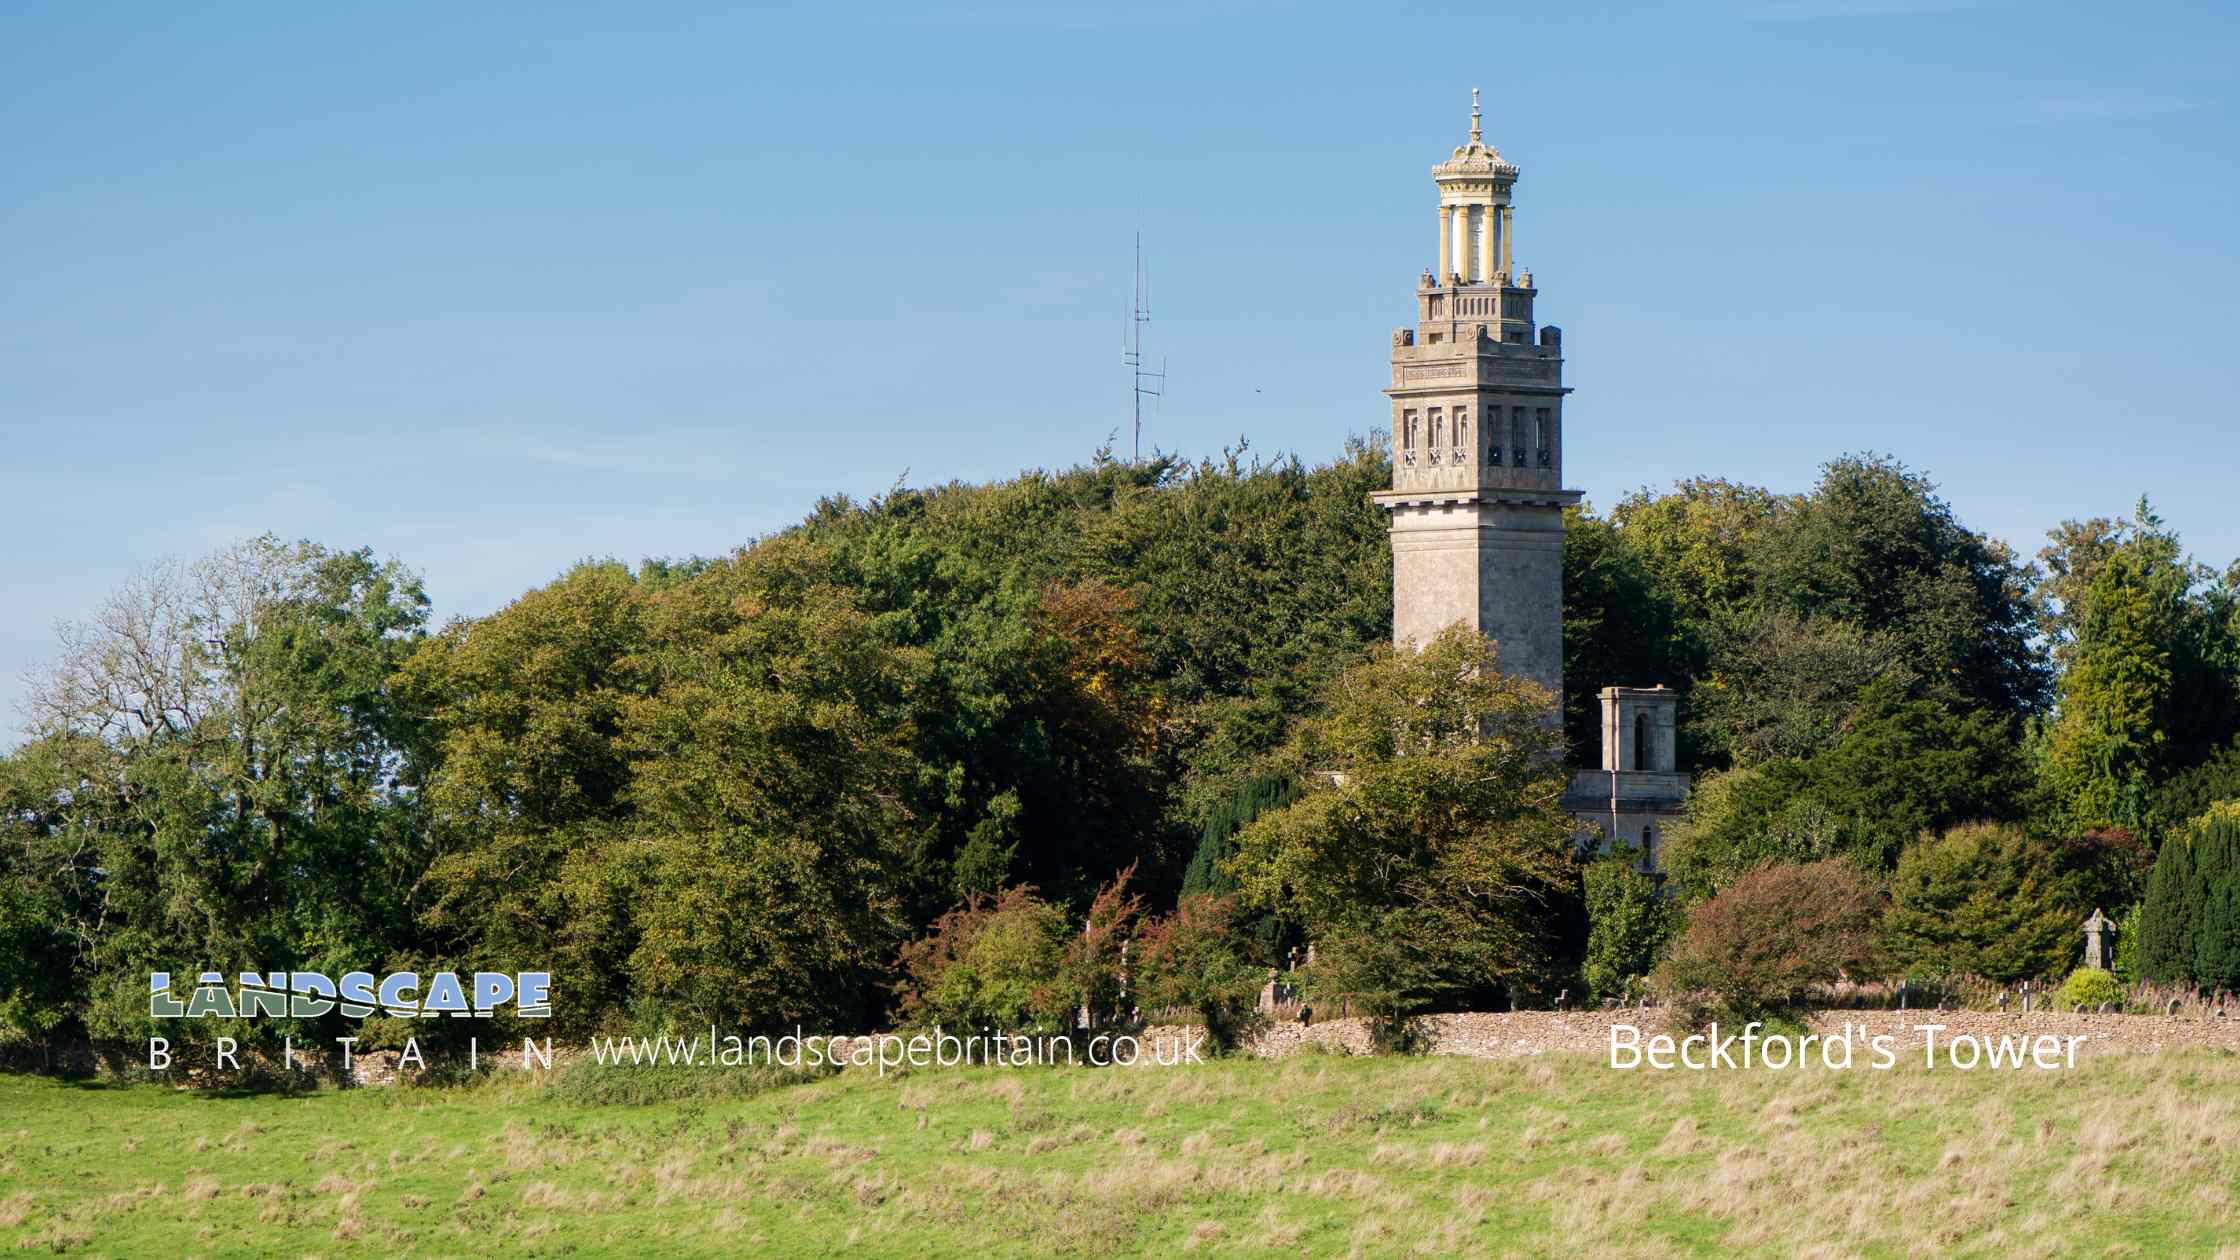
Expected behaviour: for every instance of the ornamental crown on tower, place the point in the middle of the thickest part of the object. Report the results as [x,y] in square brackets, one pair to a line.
[1477,158]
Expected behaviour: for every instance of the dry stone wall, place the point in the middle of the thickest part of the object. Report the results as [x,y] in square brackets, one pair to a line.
[1513,1034]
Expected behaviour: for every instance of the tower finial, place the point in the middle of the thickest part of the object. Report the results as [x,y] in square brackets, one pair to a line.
[1475,138]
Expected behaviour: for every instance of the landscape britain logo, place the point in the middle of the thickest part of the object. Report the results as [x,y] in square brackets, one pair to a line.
[355,995]
[311,994]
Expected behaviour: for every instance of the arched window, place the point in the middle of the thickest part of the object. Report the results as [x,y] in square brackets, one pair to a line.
[1640,741]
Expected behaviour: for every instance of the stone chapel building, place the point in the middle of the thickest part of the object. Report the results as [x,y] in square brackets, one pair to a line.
[1477,494]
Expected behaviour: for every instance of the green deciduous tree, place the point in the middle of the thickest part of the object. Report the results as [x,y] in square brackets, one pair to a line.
[1424,857]
[1874,546]
[1787,686]
[1699,540]
[524,717]
[1899,765]
[1789,606]
[218,779]
[1629,920]
[50,891]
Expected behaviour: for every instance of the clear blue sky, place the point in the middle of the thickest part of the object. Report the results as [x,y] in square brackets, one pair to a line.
[495,288]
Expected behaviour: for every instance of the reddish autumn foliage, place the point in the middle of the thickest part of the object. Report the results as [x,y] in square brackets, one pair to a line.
[1759,947]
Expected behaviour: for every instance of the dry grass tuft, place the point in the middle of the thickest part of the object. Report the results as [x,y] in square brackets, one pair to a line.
[59,1236]
[1274,1230]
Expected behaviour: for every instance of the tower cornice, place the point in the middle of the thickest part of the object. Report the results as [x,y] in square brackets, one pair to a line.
[1491,496]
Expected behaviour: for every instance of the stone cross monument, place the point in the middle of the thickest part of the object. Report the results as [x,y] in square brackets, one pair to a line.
[2095,932]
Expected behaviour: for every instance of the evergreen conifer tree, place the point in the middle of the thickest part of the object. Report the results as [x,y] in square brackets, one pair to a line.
[1218,839]
[2166,919]
[1269,936]
[2216,874]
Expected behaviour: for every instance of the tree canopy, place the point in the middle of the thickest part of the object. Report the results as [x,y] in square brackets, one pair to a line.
[749,787]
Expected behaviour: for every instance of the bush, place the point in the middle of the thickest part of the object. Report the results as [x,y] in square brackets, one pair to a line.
[1628,923]
[990,964]
[2088,987]
[1981,898]
[1093,972]
[1194,959]
[1757,949]
[2127,946]
[1378,966]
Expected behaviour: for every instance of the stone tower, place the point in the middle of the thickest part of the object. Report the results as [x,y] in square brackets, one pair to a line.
[1639,791]
[1477,492]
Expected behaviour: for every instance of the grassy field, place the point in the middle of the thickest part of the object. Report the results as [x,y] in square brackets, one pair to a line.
[1319,1156]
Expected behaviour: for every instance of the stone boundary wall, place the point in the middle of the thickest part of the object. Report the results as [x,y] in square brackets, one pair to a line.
[1515,1034]
[1479,1035]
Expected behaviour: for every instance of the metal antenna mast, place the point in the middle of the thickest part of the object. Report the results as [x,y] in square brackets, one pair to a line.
[1131,348]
